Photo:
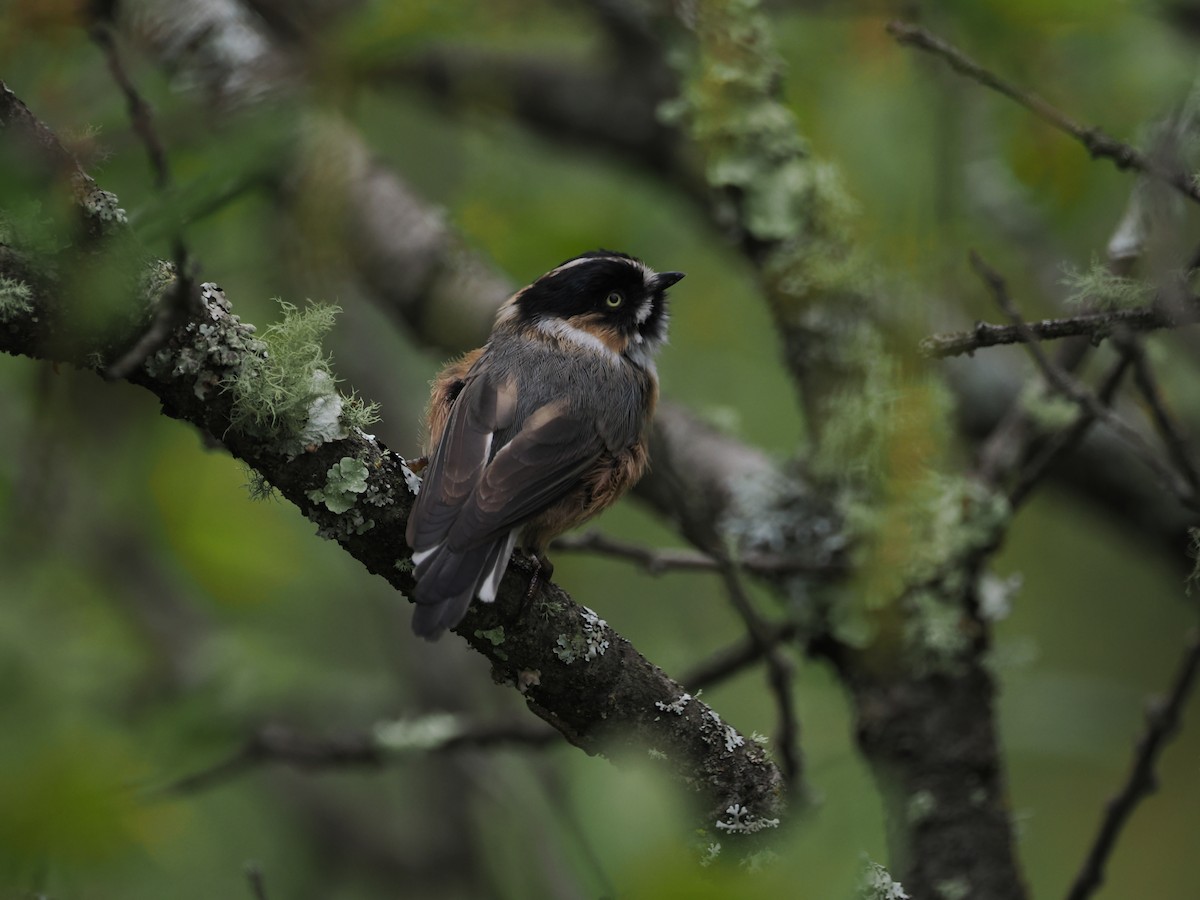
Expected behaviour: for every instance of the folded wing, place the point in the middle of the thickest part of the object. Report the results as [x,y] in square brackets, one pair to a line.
[488,475]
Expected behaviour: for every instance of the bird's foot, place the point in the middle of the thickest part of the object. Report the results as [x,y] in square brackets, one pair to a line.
[543,570]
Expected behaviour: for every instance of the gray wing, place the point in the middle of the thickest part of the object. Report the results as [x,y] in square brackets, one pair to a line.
[476,496]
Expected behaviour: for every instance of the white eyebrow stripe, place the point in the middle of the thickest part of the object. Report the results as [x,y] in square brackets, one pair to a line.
[565,331]
[571,264]
[643,312]
[647,272]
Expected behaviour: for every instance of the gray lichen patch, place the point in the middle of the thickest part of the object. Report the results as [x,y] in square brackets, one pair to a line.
[586,644]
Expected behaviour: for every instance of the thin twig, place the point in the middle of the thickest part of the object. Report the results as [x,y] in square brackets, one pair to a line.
[1094,139]
[1066,385]
[779,672]
[1095,326]
[1065,440]
[1162,721]
[735,658]
[175,308]
[659,561]
[258,883]
[275,744]
[141,116]
[1170,432]
[654,561]
[184,299]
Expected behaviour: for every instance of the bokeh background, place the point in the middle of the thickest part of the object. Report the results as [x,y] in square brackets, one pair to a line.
[152,616]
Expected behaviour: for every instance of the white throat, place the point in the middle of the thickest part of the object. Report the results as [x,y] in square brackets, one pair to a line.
[568,333]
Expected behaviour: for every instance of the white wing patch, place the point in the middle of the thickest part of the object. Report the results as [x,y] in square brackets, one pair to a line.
[491,584]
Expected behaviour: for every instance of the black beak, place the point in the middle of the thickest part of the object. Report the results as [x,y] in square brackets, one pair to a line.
[664,280]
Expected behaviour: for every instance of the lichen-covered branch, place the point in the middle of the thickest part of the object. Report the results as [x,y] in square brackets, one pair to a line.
[791,216]
[282,415]
[572,669]
[913,653]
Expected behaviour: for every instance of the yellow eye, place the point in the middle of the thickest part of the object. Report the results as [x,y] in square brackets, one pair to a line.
[614,299]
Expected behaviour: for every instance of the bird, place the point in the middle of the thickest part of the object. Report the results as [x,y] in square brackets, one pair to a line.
[538,430]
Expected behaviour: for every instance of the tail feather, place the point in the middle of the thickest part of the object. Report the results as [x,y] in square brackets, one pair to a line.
[447,581]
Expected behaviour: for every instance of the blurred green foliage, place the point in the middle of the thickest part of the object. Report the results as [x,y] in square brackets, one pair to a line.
[151,615]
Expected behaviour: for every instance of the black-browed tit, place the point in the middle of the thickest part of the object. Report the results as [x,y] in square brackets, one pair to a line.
[538,430]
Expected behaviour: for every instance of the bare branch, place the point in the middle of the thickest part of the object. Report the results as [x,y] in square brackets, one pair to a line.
[140,114]
[1095,326]
[183,301]
[1095,140]
[1168,429]
[779,671]
[276,744]
[1034,469]
[737,657]
[1066,385]
[652,561]
[1162,721]
[258,882]
[659,561]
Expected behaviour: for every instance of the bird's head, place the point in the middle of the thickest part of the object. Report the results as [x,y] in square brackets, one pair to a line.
[601,296]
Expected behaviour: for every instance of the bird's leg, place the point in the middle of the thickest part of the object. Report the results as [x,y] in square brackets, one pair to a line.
[417,465]
[543,570]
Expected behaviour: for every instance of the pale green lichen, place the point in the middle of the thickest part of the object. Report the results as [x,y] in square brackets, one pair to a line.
[916,550]
[157,279]
[817,281]
[258,486]
[931,523]
[952,888]
[921,806]
[426,733]
[494,636]
[758,861]
[345,480]
[16,298]
[277,391]
[1048,409]
[711,852]
[289,390]
[878,884]
[936,632]
[996,595]
[749,138]
[1098,288]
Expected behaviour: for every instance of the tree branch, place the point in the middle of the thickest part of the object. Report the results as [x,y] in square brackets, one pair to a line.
[659,561]
[1097,143]
[1066,385]
[1094,326]
[779,670]
[735,658]
[571,668]
[1162,721]
[276,744]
